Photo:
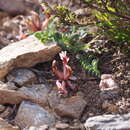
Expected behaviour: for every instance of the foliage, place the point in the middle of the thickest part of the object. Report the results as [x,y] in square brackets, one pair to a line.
[113,18]
[90,63]
[65,15]
[48,34]
[70,40]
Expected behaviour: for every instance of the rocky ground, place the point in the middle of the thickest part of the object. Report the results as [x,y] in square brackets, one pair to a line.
[29,98]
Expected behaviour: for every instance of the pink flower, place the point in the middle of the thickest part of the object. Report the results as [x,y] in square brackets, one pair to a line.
[61,87]
[64,76]
[64,57]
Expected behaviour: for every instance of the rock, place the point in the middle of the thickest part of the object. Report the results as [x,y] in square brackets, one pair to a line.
[4,125]
[62,126]
[6,113]
[108,122]
[2,108]
[21,76]
[19,6]
[109,93]
[44,127]
[10,26]
[11,96]
[26,53]
[67,107]
[107,81]
[36,95]
[109,88]
[30,114]
[8,85]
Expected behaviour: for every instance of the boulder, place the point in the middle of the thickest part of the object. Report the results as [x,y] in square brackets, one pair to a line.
[26,53]
[30,114]
[108,122]
[67,107]
[22,76]
[36,95]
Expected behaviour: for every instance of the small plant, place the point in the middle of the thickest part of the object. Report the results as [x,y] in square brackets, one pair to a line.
[35,24]
[71,41]
[63,83]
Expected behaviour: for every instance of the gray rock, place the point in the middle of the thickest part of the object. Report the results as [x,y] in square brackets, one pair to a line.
[26,53]
[67,107]
[30,114]
[4,125]
[22,76]
[109,122]
[37,95]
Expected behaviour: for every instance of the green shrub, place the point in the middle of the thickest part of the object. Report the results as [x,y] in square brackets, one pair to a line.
[71,41]
[113,18]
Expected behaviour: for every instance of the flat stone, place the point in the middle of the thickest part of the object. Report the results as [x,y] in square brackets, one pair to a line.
[62,126]
[21,76]
[26,53]
[67,107]
[43,127]
[35,95]
[108,122]
[30,114]
[4,125]
[11,96]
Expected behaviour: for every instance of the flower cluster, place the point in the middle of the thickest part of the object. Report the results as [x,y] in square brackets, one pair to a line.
[63,83]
